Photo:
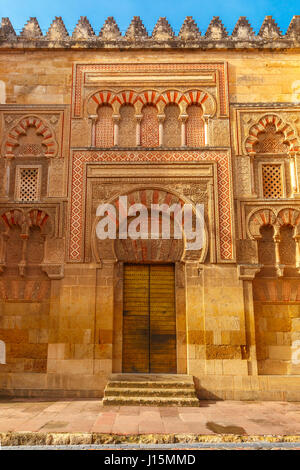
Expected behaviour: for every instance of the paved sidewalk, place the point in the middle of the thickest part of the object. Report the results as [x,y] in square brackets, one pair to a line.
[210,418]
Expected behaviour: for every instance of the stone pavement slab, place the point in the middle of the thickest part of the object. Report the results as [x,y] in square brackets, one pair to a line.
[211,418]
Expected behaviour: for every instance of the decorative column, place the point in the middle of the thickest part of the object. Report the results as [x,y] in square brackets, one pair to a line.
[116,119]
[93,118]
[161,118]
[252,178]
[183,118]
[138,118]
[22,264]
[293,172]
[206,137]
[276,238]
[246,273]
[297,241]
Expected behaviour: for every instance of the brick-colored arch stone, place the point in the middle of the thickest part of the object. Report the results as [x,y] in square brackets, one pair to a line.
[258,219]
[42,128]
[281,126]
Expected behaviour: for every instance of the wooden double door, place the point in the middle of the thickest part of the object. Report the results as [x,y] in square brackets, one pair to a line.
[149,321]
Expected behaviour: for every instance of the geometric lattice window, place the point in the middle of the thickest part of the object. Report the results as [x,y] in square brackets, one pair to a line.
[172,126]
[28,183]
[104,127]
[272,181]
[195,127]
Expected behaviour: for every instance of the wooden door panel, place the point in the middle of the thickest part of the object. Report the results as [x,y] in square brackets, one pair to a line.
[162,319]
[136,319]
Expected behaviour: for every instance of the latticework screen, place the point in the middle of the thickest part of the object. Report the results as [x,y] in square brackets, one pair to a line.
[28,184]
[272,181]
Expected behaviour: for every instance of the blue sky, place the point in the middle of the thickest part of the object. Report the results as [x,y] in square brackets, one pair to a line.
[97,11]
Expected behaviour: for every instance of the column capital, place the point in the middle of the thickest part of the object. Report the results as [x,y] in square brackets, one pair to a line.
[183,117]
[93,117]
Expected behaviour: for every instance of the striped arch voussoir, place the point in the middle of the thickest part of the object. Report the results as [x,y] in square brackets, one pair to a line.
[20,129]
[151,97]
[259,219]
[13,217]
[289,216]
[286,129]
[102,97]
[25,220]
[37,218]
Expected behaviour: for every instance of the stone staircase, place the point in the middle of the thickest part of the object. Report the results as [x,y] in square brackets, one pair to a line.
[150,390]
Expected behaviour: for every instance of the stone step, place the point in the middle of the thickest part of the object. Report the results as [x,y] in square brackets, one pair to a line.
[151,384]
[141,377]
[150,401]
[149,392]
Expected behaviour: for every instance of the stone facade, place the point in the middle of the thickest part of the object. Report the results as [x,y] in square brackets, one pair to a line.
[211,119]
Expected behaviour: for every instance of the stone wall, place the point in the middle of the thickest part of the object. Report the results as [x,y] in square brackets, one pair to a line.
[188,118]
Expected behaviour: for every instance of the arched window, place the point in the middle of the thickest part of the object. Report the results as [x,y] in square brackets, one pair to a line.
[195,127]
[149,127]
[172,126]
[104,129]
[127,126]
[270,142]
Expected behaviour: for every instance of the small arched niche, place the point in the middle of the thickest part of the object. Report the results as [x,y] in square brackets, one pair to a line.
[195,126]
[104,129]
[149,126]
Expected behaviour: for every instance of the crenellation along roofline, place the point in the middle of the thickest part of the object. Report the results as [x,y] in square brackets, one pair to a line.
[162,36]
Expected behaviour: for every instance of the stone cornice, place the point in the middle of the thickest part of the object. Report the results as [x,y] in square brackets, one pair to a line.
[163,36]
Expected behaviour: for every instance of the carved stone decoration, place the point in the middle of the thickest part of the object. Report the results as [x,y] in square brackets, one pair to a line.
[280,127]
[271,141]
[6,30]
[138,99]
[11,141]
[242,36]
[269,29]
[289,216]
[147,248]
[83,29]
[242,176]
[162,30]
[57,30]
[247,272]
[278,236]
[258,219]
[31,29]
[136,30]
[216,30]
[27,220]
[293,31]
[243,30]
[110,30]
[189,30]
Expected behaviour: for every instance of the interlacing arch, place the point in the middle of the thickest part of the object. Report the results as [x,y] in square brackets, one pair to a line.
[266,216]
[43,129]
[25,220]
[153,97]
[290,136]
